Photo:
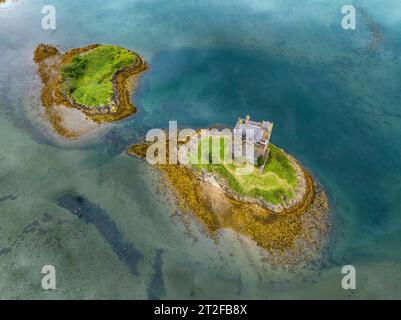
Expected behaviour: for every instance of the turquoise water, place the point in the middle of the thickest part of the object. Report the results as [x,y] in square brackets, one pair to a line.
[334,96]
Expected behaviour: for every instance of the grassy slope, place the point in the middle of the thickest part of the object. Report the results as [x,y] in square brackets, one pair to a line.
[92,86]
[277,180]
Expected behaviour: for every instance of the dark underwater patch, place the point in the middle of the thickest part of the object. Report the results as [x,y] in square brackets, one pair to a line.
[4,251]
[9,197]
[156,289]
[93,214]
[31,228]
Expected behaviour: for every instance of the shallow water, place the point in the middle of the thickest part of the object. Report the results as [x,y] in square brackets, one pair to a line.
[333,96]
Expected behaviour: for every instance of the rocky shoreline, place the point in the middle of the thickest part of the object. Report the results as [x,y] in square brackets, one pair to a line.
[50,60]
[292,236]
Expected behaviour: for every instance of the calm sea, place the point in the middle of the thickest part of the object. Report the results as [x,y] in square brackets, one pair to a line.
[333,94]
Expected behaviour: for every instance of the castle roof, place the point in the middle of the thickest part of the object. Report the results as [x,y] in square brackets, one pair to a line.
[257,132]
[261,130]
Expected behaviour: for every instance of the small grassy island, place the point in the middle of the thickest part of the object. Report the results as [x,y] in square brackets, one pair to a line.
[277,204]
[88,78]
[95,80]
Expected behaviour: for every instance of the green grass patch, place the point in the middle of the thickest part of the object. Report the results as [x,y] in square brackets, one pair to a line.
[87,78]
[279,164]
[278,179]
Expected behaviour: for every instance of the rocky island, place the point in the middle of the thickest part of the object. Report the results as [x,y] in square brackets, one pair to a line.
[85,87]
[278,204]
